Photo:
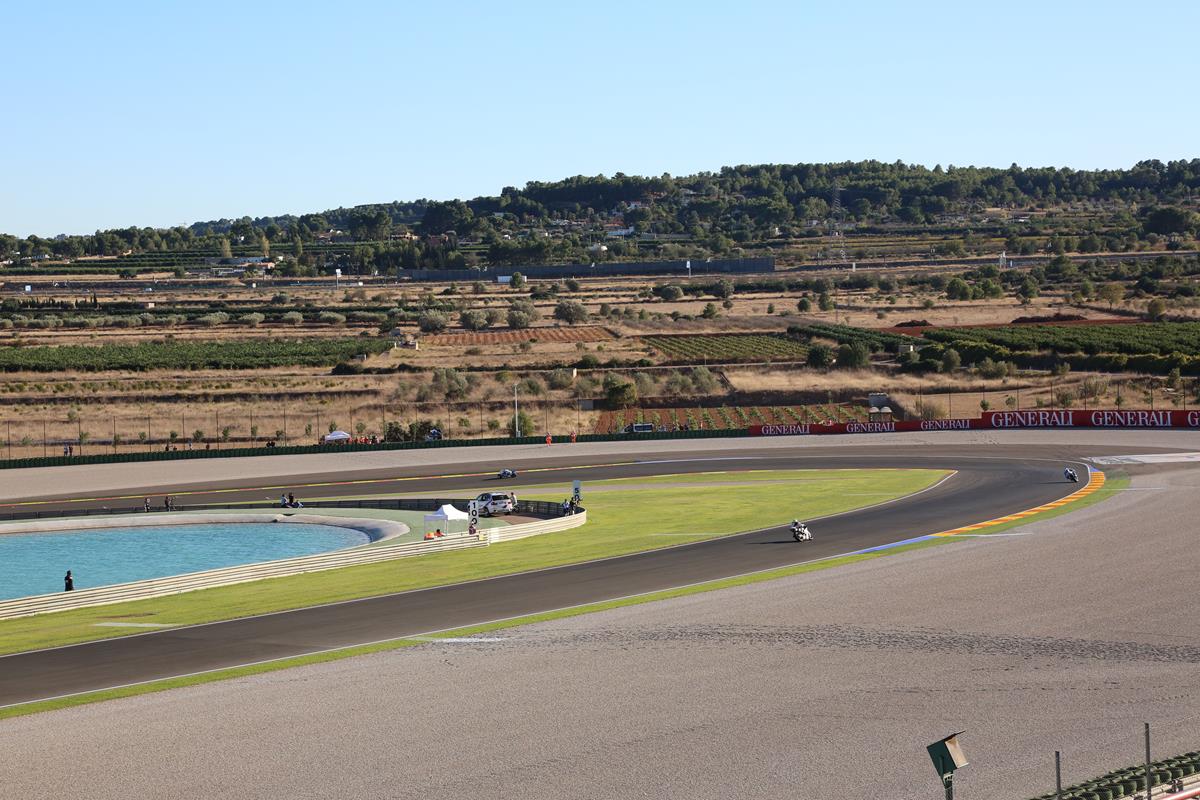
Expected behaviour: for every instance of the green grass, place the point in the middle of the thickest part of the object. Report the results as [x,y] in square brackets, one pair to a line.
[1113,486]
[618,522]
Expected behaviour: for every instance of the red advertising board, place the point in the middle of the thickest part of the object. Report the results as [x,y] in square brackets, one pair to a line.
[1038,418]
[1101,418]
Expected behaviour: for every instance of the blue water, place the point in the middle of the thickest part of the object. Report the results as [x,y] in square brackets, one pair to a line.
[35,563]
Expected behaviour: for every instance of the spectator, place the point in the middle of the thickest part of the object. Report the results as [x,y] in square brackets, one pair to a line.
[147,505]
[68,582]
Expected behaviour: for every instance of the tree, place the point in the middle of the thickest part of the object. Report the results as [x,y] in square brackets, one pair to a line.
[1168,220]
[951,360]
[1156,309]
[224,248]
[522,314]
[669,292]
[1029,290]
[957,289]
[517,281]
[825,302]
[619,393]
[520,425]
[853,356]
[454,215]
[1112,293]
[804,305]
[820,356]
[570,312]
[710,311]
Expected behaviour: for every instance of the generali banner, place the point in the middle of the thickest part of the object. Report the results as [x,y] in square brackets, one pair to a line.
[1039,418]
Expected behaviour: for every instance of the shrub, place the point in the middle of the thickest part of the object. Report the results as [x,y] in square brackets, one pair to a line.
[473,320]
[559,379]
[331,318]
[432,321]
[293,318]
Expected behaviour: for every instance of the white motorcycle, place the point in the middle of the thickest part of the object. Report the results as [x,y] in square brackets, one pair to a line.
[1070,475]
[800,532]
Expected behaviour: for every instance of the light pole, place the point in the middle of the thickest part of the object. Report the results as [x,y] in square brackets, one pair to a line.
[516,419]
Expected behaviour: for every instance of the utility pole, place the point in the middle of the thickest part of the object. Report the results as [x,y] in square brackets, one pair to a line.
[1057,775]
[516,419]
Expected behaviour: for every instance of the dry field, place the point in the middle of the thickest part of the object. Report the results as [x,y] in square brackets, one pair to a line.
[729,417]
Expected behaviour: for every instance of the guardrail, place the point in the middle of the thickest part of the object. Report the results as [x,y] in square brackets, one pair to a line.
[1131,781]
[227,576]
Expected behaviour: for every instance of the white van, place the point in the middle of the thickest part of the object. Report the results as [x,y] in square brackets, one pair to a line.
[491,503]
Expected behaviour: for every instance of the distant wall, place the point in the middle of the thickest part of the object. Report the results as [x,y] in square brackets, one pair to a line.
[676,268]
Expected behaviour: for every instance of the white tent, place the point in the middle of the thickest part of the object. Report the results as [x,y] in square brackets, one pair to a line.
[337,436]
[444,518]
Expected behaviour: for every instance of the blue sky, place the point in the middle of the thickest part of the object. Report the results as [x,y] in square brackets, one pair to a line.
[161,113]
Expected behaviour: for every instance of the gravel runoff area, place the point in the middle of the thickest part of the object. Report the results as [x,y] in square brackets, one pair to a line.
[91,479]
[1065,634]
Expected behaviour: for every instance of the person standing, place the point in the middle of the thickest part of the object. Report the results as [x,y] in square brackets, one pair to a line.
[68,582]
[147,505]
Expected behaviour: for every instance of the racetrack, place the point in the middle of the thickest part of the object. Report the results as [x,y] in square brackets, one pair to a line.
[982,488]
[830,682]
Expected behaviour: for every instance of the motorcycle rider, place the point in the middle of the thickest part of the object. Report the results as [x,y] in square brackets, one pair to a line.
[1070,475]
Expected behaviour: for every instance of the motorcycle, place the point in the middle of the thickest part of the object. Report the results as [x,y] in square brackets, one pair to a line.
[801,533]
[1071,475]
[506,474]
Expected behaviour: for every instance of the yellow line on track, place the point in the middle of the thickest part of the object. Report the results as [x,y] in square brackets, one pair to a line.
[1095,482]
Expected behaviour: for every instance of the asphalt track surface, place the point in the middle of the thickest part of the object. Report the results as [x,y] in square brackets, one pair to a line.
[1004,481]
